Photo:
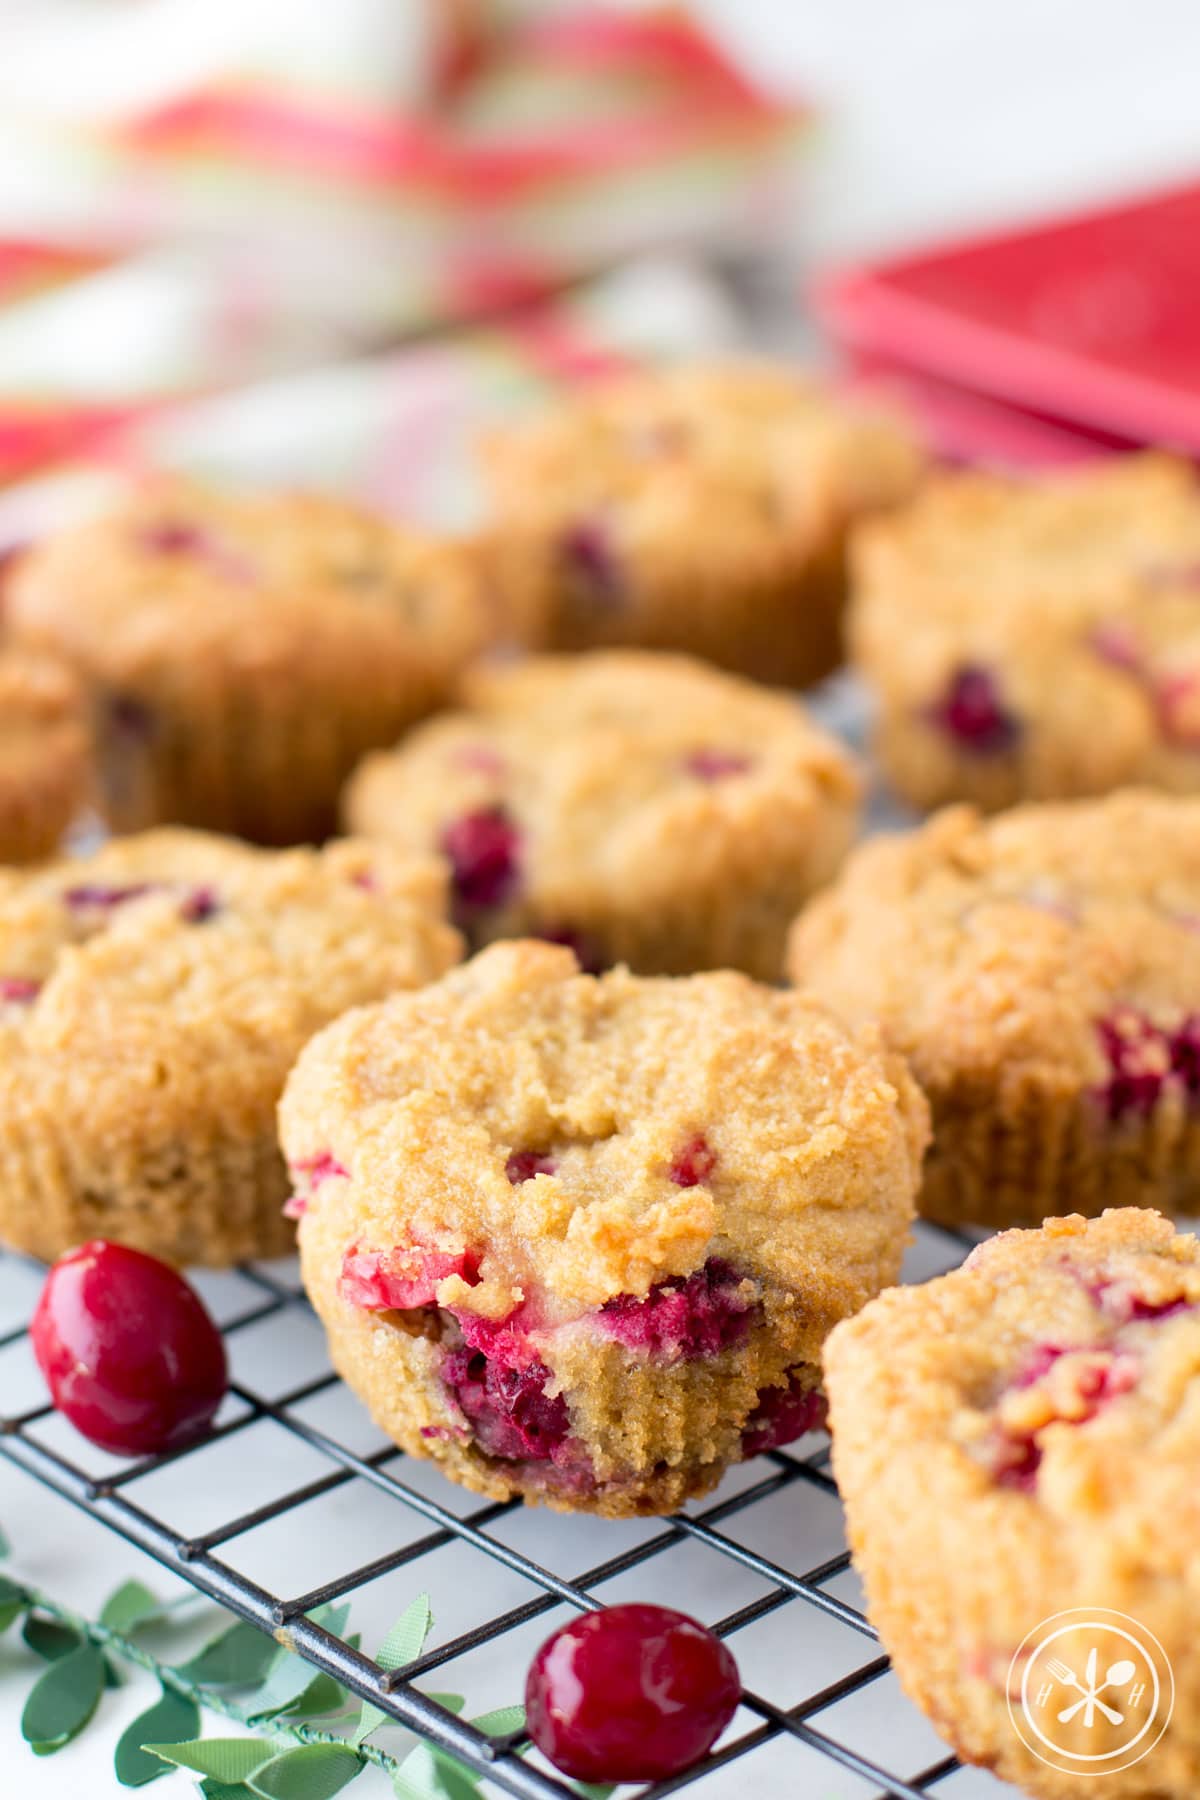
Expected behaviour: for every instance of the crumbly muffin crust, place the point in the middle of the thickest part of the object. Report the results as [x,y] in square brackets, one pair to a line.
[45,754]
[152,998]
[1041,971]
[1035,639]
[1019,1439]
[244,651]
[640,807]
[701,508]
[581,1239]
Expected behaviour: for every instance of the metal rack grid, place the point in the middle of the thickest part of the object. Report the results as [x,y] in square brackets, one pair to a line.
[209,1560]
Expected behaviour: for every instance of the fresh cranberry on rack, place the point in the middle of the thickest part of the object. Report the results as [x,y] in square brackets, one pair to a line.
[128,1350]
[630,1693]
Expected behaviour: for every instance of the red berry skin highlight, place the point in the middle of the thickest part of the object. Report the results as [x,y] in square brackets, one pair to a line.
[129,1353]
[630,1693]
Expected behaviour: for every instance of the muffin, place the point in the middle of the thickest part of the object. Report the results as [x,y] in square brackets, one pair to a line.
[580,1239]
[1018,1448]
[152,999]
[1035,639]
[45,754]
[700,508]
[1041,972]
[639,807]
[244,652]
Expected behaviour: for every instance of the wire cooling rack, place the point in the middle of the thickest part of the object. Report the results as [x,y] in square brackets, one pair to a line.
[295,1500]
[292,1500]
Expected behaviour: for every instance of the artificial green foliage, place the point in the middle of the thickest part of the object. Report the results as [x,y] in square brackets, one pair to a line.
[172,1719]
[312,1772]
[402,1645]
[236,1657]
[63,1699]
[427,1774]
[243,1675]
[48,1639]
[227,1759]
[129,1606]
[12,1603]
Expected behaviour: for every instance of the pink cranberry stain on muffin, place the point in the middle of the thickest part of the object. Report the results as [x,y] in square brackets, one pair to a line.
[1064,1384]
[1177,697]
[711,764]
[541,1273]
[703,1314]
[196,904]
[480,759]
[1181,574]
[1116,643]
[403,1277]
[308,1178]
[18,990]
[178,537]
[1057,1385]
[1144,1060]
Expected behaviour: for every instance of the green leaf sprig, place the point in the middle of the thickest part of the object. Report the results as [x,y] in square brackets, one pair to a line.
[240,1674]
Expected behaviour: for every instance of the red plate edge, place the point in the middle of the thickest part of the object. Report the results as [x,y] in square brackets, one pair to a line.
[866,308]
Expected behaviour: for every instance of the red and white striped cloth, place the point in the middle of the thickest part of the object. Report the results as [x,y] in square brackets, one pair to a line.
[199,197]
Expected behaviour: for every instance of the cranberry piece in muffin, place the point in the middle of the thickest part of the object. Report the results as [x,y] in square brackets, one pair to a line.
[639,808]
[700,509]
[1011,1448]
[510,1273]
[153,997]
[590,566]
[1041,970]
[483,848]
[972,712]
[242,652]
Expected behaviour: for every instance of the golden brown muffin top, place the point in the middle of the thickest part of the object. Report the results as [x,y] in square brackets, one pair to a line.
[586,1137]
[181,573]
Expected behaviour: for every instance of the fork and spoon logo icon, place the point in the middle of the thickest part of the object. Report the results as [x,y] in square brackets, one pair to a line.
[1090,1692]
[1118,1675]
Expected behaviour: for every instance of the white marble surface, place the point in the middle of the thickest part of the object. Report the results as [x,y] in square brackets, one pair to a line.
[941,115]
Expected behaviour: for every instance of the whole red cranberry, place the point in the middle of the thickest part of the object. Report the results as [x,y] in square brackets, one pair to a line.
[130,1354]
[631,1693]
